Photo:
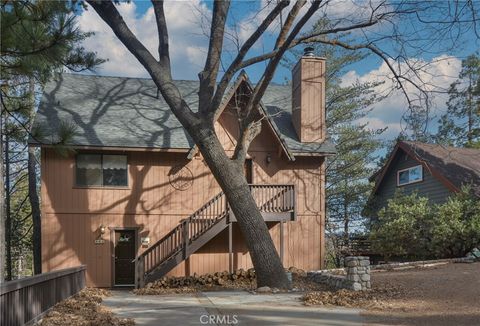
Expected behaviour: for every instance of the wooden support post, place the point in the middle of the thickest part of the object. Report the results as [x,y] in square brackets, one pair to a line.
[281,240]
[185,238]
[230,247]
[137,274]
[141,272]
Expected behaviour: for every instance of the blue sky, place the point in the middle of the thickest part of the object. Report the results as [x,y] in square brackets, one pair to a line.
[188,44]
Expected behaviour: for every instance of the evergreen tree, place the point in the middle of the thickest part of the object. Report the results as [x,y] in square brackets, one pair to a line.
[38,39]
[347,173]
[460,125]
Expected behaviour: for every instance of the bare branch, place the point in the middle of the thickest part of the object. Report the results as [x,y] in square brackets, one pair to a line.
[260,88]
[288,23]
[274,61]
[163,46]
[208,77]
[157,70]
[234,66]
[247,135]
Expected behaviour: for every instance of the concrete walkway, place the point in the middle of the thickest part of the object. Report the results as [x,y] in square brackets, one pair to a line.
[226,308]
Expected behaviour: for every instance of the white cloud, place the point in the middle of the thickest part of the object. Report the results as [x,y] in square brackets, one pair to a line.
[435,75]
[187,44]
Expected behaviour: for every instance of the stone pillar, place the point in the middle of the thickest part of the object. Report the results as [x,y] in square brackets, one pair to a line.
[358,272]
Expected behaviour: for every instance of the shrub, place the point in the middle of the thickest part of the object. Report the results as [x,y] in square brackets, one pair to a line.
[402,227]
[410,226]
[456,226]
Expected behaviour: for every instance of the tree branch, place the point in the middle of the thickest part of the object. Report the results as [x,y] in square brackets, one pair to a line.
[247,135]
[267,76]
[208,77]
[163,45]
[234,66]
[159,72]
[288,23]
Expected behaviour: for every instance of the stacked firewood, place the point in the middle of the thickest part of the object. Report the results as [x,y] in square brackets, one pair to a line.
[217,278]
[238,279]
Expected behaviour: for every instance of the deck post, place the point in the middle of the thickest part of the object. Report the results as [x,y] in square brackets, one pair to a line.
[230,247]
[281,240]
[185,238]
[141,272]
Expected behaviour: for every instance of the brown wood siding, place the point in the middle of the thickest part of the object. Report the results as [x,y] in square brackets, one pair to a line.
[72,216]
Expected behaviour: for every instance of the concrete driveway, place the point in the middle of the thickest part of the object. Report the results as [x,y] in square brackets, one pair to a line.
[226,308]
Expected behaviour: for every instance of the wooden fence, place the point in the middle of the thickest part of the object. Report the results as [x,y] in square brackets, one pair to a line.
[25,300]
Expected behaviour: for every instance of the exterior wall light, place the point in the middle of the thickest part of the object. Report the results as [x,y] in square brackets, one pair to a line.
[268,159]
[102,229]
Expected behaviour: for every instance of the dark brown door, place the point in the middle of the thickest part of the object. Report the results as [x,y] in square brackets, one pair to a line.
[124,254]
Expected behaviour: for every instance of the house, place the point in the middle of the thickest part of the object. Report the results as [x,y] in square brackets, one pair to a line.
[431,170]
[136,201]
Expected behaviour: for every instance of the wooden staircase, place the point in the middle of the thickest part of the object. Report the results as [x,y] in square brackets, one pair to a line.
[203,225]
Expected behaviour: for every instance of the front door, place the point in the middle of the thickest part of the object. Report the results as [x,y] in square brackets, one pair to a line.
[124,254]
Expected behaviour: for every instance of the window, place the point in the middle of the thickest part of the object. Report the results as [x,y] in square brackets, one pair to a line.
[101,170]
[410,175]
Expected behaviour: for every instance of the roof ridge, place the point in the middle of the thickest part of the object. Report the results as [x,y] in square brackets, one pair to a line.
[118,77]
[77,74]
[410,142]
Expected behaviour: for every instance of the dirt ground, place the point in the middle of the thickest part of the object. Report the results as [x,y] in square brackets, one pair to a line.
[443,295]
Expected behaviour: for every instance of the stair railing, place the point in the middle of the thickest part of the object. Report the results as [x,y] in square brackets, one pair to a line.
[179,238]
[269,198]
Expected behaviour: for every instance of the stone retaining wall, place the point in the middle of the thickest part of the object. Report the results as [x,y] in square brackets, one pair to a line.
[357,276]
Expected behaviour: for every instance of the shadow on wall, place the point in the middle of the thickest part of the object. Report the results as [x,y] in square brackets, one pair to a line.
[71,234]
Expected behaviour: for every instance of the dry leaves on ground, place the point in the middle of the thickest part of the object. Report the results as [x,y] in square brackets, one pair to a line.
[84,309]
[374,298]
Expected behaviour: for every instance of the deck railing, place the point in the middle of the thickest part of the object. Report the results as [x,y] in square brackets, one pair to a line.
[269,199]
[25,300]
[274,198]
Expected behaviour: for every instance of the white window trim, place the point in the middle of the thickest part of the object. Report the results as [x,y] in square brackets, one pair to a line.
[410,182]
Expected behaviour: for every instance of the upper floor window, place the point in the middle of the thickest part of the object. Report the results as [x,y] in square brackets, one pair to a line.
[410,175]
[101,170]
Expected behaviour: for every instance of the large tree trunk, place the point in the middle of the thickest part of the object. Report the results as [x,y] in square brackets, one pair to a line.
[2,206]
[36,218]
[32,192]
[8,221]
[229,174]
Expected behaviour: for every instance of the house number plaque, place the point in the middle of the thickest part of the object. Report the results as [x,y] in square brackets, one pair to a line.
[181,178]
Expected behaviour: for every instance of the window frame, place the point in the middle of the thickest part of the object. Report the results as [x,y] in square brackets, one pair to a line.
[76,185]
[408,169]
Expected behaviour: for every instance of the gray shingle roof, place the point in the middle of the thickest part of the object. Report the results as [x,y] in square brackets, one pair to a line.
[460,166]
[125,112]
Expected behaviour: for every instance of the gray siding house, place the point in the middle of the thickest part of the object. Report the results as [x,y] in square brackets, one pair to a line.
[433,171]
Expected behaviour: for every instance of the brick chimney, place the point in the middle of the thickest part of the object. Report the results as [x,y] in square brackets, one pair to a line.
[308,97]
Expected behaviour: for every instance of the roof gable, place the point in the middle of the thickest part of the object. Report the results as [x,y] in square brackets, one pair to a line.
[452,166]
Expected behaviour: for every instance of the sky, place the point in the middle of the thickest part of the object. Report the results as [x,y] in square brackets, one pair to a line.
[189,41]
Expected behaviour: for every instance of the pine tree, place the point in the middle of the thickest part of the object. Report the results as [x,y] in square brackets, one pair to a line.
[347,173]
[39,38]
[460,125]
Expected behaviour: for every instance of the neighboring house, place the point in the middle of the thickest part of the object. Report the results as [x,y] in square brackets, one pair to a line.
[135,187]
[433,171]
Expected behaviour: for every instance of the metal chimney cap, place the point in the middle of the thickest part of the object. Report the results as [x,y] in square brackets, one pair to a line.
[308,51]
